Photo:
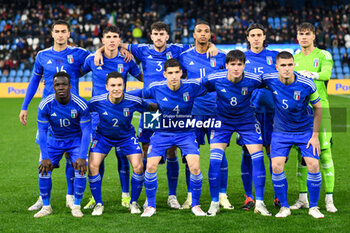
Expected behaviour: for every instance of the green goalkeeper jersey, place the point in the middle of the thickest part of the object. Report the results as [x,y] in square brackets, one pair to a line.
[319,61]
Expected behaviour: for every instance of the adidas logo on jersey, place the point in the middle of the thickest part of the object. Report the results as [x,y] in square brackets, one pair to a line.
[99,68]
[138,148]
[329,174]
[325,143]
[191,63]
[223,90]
[53,114]
[260,138]
[165,99]
[49,62]
[275,92]
[150,56]
[105,113]
[247,62]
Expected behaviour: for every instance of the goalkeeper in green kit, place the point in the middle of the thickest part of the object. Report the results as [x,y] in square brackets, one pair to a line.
[316,64]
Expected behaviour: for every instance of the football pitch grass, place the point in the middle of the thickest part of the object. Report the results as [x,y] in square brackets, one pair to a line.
[19,190]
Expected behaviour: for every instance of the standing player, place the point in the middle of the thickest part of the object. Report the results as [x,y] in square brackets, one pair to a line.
[115,110]
[316,64]
[195,63]
[112,61]
[259,60]
[59,57]
[294,125]
[69,119]
[152,57]
[175,100]
[234,88]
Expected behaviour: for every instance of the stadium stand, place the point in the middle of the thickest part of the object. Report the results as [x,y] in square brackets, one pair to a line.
[25,25]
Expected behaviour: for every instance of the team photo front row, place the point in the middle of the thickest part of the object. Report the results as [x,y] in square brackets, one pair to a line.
[68,125]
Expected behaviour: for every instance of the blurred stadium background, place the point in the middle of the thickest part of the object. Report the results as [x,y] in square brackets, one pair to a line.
[25,26]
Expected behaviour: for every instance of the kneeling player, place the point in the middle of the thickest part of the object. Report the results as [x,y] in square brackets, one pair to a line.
[115,110]
[234,88]
[175,100]
[294,125]
[69,117]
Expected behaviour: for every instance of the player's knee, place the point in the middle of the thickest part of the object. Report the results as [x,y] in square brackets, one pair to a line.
[313,166]
[151,167]
[277,168]
[138,168]
[195,169]
[93,169]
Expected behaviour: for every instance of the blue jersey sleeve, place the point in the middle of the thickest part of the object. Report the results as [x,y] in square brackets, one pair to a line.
[85,125]
[136,92]
[185,47]
[201,90]
[134,69]
[31,90]
[43,125]
[86,67]
[208,84]
[148,93]
[135,50]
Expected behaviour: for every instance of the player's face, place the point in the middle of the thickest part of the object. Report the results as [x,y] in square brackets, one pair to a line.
[115,87]
[173,76]
[61,87]
[159,38]
[256,38]
[285,68]
[235,68]
[202,34]
[60,34]
[305,38]
[111,41]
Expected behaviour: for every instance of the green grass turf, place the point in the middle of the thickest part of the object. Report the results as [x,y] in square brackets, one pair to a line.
[19,190]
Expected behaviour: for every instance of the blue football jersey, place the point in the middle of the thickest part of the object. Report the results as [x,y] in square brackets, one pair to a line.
[260,63]
[99,73]
[292,113]
[153,61]
[197,65]
[233,99]
[65,120]
[175,105]
[48,62]
[115,119]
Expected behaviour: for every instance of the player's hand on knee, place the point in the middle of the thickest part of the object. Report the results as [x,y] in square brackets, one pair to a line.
[45,166]
[315,143]
[128,56]
[80,165]
[23,117]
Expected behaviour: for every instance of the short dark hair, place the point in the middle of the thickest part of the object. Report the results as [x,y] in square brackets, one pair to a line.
[235,55]
[114,74]
[284,55]
[203,22]
[61,74]
[255,26]
[111,28]
[60,22]
[171,63]
[306,27]
[159,26]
